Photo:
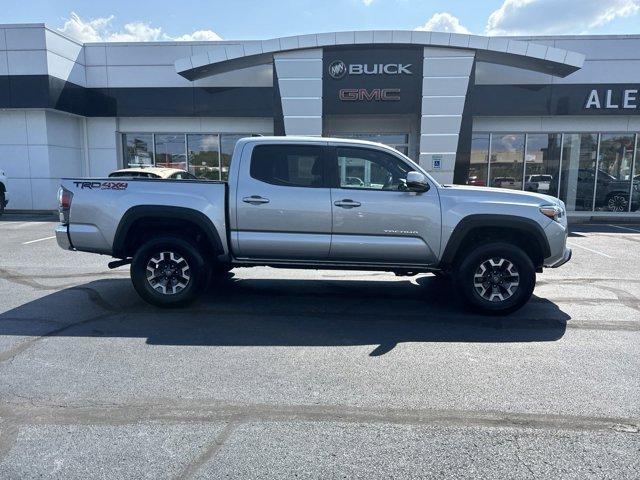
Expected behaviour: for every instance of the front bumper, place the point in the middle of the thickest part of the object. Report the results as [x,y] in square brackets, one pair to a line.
[565,258]
[62,237]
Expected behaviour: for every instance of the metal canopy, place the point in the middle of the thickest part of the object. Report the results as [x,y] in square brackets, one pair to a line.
[500,50]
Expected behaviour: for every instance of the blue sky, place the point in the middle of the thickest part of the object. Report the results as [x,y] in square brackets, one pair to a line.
[254,19]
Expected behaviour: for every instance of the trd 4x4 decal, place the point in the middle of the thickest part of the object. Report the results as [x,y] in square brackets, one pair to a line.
[102,185]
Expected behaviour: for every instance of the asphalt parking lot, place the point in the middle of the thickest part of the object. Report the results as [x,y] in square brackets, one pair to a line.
[287,373]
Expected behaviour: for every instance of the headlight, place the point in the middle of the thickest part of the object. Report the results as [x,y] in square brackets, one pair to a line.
[554,212]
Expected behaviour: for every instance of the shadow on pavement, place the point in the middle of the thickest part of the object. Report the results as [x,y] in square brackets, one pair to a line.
[334,311]
[628,229]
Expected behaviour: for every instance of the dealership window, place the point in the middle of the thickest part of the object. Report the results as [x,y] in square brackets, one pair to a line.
[138,149]
[479,160]
[542,163]
[227,144]
[204,155]
[506,161]
[579,158]
[170,151]
[589,171]
[613,180]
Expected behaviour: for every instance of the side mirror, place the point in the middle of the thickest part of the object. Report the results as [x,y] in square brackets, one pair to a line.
[417,182]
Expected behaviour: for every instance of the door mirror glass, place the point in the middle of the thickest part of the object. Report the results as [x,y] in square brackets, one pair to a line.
[417,182]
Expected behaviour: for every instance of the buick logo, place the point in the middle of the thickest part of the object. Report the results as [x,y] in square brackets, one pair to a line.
[337,69]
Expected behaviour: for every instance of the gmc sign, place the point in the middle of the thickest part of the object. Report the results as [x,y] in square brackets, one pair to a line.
[375,94]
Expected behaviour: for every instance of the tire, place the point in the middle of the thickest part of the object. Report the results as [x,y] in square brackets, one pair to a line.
[186,272]
[617,202]
[496,295]
[218,269]
[2,200]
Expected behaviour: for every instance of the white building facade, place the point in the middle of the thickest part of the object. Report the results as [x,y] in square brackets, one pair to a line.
[557,115]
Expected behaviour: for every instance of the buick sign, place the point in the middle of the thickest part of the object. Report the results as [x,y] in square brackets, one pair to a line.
[379,68]
[337,69]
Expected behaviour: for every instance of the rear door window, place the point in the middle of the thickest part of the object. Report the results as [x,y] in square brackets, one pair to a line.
[288,165]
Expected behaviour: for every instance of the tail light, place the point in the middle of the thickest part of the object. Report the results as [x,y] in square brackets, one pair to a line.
[64,204]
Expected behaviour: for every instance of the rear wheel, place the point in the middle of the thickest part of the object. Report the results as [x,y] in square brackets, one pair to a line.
[2,200]
[496,278]
[168,272]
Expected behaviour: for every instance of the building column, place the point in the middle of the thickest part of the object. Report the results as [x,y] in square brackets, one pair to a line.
[299,75]
[446,73]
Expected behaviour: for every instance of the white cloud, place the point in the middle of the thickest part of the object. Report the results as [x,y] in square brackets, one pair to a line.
[137,32]
[367,2]
[101,30]
[85,31]
[198,36]
[443,22]
[539,17]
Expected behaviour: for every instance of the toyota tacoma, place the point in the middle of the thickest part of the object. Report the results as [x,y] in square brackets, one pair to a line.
[316,203]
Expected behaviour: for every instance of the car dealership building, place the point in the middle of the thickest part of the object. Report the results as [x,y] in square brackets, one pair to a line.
[556,115]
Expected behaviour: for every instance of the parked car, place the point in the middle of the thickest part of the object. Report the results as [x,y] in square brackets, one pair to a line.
[476,180]
[506,182]
[153,172]
[541,182]
[611,194]
[354,181]
[4,196]
[286,205]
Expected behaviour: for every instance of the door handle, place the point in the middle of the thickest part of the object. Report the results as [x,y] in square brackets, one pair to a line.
[255,200]
[346,203]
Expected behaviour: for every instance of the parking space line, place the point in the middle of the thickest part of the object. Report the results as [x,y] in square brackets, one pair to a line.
[590,250]
[38,240]
[18,225]
[624,228]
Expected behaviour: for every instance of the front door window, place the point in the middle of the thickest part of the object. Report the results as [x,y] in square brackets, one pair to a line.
[370,169]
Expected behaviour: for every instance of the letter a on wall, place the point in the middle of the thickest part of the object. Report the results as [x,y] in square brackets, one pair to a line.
[594,100]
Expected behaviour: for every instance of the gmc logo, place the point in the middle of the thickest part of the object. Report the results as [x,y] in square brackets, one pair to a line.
[373,95]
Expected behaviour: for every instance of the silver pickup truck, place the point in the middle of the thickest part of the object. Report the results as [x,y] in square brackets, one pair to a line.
[316,203]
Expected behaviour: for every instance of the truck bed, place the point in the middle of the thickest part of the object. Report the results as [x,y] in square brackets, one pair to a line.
[100,205]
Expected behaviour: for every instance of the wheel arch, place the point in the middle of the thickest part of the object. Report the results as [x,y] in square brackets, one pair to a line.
[617,192]
[139,217]
[501,228]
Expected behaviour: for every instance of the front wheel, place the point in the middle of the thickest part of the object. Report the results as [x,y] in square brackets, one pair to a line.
[168,272]
[2,202]
[496,278]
